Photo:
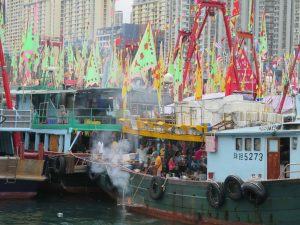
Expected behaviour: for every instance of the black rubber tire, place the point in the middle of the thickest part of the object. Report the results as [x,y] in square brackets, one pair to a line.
[254,191]
[215,195]
[59,165]
[156,189]
[108,184]
[92,175]
[233,187]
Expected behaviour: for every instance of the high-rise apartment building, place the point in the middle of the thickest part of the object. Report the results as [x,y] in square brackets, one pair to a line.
[153,11]
[179,16]
[81,18]
[70,20]
[14,24]
[118,18]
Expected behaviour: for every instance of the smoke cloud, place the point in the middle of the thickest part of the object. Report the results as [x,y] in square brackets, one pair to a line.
[107,156]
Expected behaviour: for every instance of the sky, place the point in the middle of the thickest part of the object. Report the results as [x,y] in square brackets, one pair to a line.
[125,6]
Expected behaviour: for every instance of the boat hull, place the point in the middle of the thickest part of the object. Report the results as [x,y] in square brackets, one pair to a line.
[186,201]
[76,183]
[18,189]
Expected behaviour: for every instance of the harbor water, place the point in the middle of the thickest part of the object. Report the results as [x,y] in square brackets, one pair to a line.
[70,210]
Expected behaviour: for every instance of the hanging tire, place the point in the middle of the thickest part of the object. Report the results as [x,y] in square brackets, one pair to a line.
[215,195]
[156,188]
[233,187]
[254,191]
[108,184]
[93,176]
[59,165]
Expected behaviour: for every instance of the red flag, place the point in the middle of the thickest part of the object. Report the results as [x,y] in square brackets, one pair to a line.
[236,8]
[118,40]
[229,77]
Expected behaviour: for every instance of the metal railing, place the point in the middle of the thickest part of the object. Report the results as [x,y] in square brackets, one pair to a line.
[15,118]
[179,114]
[287,171]
[76,116]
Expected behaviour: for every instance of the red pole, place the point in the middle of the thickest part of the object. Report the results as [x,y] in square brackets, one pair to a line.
[16,136]
[5,78]
[290,77]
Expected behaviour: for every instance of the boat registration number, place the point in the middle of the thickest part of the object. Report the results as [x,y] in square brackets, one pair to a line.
[245,156]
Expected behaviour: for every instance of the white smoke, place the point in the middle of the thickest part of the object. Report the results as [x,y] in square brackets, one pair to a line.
[108,157]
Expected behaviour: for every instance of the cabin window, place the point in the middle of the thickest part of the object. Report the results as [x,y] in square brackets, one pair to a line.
[256,144]
[294,143]
[238,144]
[248,144]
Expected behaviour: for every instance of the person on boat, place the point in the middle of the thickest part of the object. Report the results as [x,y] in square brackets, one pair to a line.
[142,156]
[200,157]
[171,165]
[157,164]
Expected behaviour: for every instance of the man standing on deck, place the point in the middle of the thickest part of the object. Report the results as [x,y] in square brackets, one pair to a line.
[157,164]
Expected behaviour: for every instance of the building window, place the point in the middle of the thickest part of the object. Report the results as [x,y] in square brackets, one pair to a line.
[248,144]
[238,144]
[257,144]
[294,143]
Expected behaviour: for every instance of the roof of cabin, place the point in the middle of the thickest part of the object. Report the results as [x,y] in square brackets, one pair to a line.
[283,129]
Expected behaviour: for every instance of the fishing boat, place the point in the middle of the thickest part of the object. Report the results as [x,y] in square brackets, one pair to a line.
[66,126]
[20,177]
[251,176]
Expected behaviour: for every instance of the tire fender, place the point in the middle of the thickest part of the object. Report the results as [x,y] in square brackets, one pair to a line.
[59,165]
[156,188]
[233,187]
[108,184]
[215,194]
[254,191]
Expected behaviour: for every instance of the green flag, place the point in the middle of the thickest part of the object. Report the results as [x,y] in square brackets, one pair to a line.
[145,57]
[92,78]
[171,69]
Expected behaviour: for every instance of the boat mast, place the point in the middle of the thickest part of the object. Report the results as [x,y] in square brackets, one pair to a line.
[210,8]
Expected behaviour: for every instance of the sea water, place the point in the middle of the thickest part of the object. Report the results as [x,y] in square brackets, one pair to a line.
[70,210]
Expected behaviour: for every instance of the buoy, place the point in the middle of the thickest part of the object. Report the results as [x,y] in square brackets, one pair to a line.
[60,215]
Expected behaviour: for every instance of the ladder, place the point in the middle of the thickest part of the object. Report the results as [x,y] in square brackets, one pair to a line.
[12,164]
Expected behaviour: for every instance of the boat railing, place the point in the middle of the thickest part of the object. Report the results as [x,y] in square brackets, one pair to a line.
[286,170]
[15,118]
[174,114]
[71,116]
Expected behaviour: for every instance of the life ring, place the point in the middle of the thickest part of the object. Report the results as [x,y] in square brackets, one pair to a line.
[59,165]
[108,184]
[254,191]
[156,188]
[215,195]
[233,187]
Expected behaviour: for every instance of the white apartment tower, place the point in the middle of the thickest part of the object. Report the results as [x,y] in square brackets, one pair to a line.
[81,18]
[179,17]
[153,11]
[68,19]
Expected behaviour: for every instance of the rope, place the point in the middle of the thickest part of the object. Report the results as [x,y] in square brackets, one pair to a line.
[140,183]
[3,118]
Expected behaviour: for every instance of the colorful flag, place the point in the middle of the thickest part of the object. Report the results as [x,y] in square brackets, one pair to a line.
[158,74]
[145,57]
[199,79]
[229,77]
[251,15]
[263,43]
[235,12]
[178,75]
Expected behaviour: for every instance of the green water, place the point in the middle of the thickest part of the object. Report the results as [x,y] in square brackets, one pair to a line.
[76,210]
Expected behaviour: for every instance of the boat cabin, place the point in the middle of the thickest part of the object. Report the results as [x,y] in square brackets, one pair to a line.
[263,152]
